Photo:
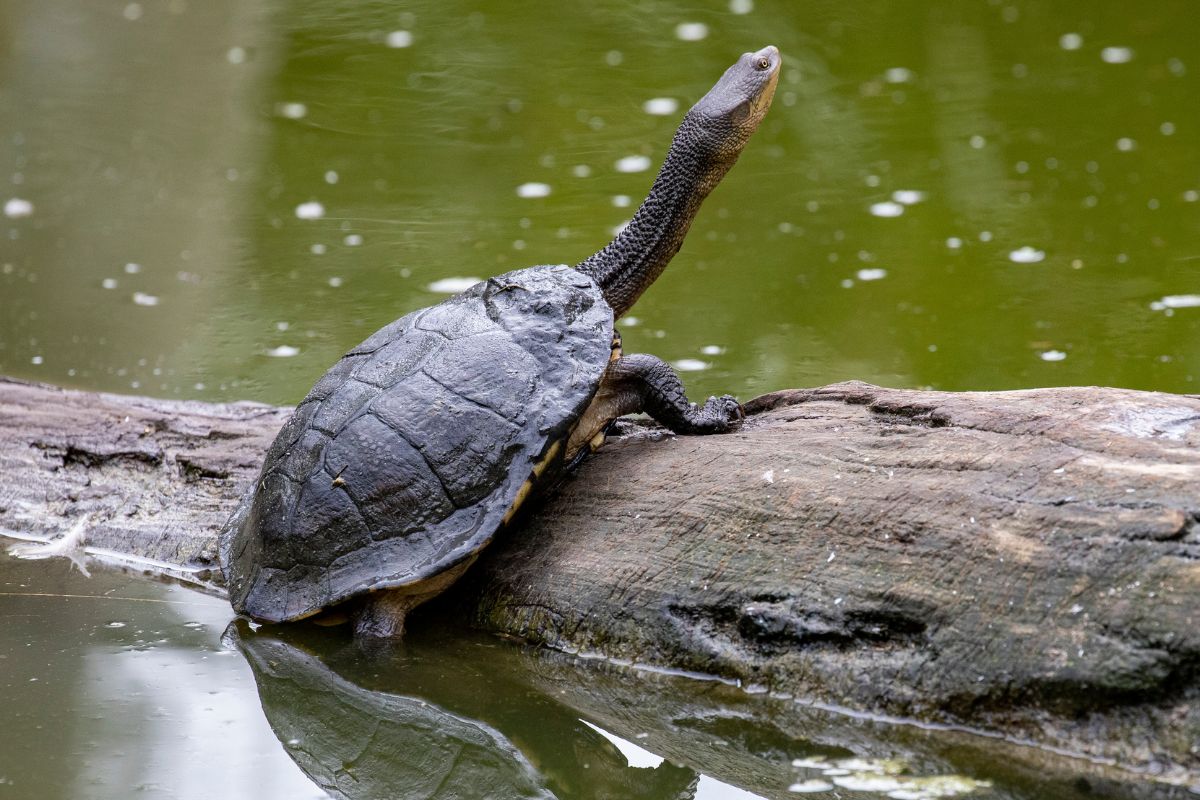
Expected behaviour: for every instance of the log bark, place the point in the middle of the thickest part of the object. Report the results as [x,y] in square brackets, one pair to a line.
[1025,564]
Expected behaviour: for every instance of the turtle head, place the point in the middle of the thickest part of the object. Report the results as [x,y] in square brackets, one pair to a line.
[723,120]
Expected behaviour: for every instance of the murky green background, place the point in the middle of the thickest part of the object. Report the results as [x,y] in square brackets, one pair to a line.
[182,137]
[215,198]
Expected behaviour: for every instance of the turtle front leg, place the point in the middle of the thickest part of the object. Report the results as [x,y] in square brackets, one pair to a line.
[644,383]
[649,384]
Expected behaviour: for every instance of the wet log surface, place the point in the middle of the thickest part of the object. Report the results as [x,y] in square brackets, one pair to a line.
[1021,563]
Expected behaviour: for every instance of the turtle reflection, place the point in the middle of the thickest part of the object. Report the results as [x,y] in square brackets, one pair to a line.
[360,742]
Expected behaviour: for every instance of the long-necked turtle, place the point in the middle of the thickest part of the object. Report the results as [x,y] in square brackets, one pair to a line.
[413,449]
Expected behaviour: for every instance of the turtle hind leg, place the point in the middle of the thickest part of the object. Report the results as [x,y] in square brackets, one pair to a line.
[382,615]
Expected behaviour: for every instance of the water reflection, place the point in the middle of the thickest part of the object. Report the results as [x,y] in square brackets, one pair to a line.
[452,715]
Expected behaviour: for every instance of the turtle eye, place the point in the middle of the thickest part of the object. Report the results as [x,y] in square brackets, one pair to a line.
[763,62]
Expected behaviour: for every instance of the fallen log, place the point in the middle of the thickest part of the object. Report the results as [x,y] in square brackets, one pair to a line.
[1021,563]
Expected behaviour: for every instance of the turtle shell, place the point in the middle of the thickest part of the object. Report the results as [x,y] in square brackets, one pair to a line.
[405,457]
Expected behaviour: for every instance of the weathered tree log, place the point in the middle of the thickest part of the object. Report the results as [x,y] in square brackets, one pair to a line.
[1021,563]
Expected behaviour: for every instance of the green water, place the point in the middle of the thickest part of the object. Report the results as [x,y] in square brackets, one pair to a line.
[962,195]
[185,140]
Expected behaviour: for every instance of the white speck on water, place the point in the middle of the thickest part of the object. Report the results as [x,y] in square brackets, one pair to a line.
[352,240]
[874,274]
[898,75]
[331,177]
[1167,129]
[985,236]
[15,208]
[115,625]
[36,360]
[1125,144]
[810,786]
[741,6]
[452,285]
[1191,196]
[631,322]
[1070,41]
[533,190]
[581,170]
[769,476]
[310,210]
[621,201]
[1172,301]
[661,106]
[292,110]
[282,326]
[1053,355]
[978,142]
[872,180]
[886,209]
[847,283]
[283,351]
[691,31]
[143,299]
[712,350]
[133,12]
[954,243]
[399,39]
[335,282]
[317,249]
[1116,55]
[108,283]
[690,365]
[633,164]
[1076,609]
[908,197]
[236,55]
[614,58]
[133,269]
[1026,255]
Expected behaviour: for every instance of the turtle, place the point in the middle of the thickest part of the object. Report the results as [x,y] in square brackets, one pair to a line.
[418,445]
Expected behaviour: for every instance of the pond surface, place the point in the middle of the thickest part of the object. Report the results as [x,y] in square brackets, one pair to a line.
[214,199]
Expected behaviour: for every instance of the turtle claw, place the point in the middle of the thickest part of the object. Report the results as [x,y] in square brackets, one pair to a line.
[721,414]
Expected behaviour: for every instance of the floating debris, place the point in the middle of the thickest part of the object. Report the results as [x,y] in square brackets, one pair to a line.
[1173,301]
[741,6]
[954,243]
[873,274]
[292,110]
[352,240]
[15,208]
[661,106]
[633,164]
[1070,41]
[399,39]
[335,281]
[1053,355]
[908,197]
[810,786]
[886,209]
[690,365]
[1026,255]
[712,350]
[1126,145]
[533,190]
[143,299]
[310,210]
[691,31]
[1116,55]
[108,283]
[621,201]
[898,75]
[452,285]
[283,351]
